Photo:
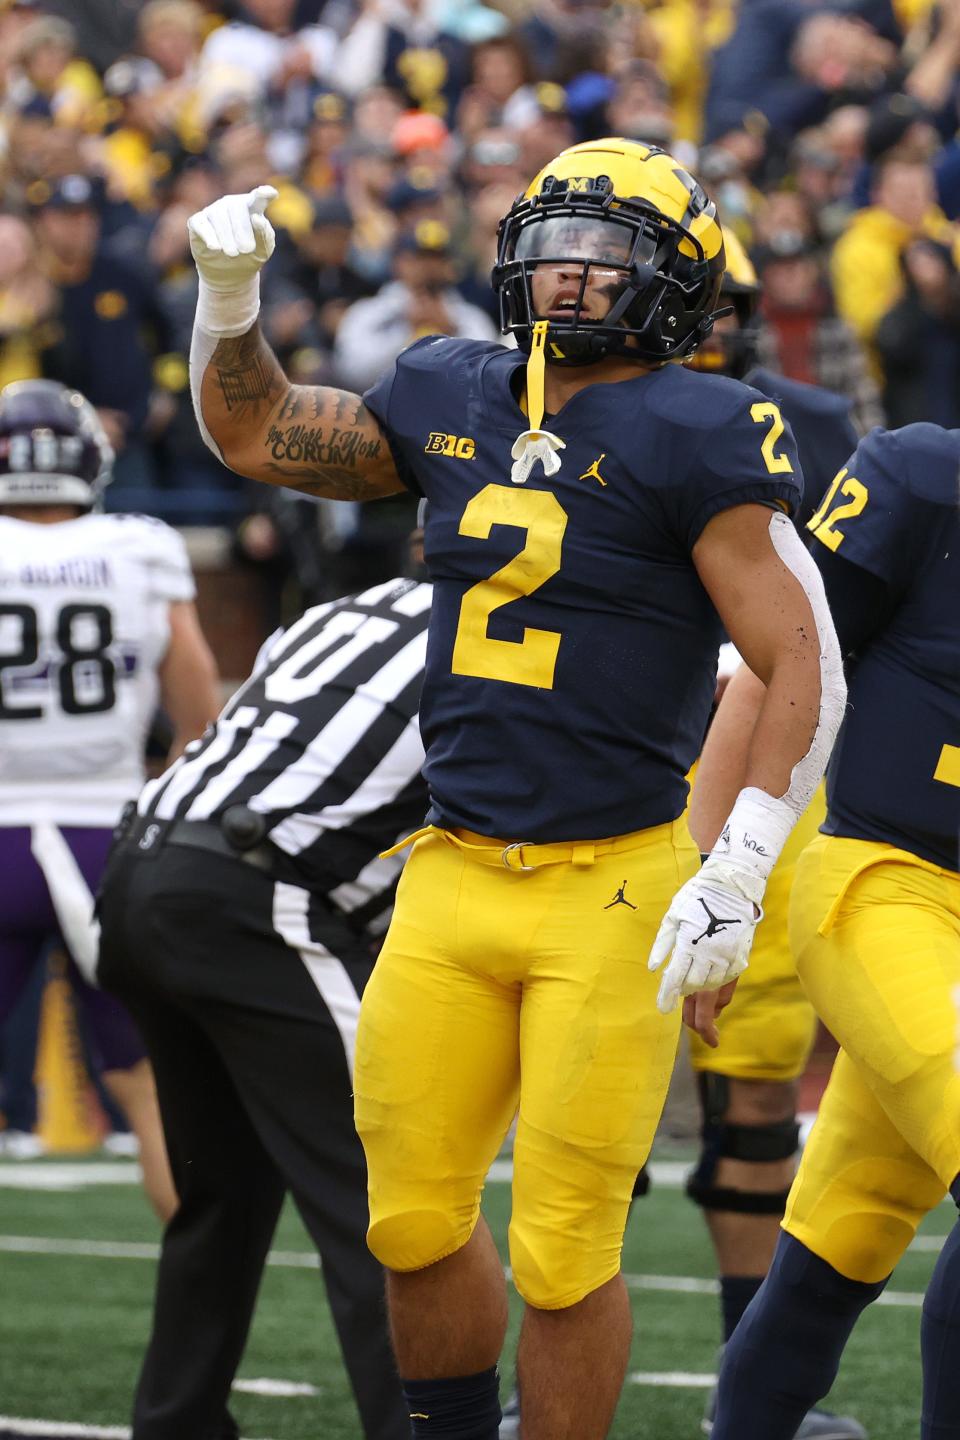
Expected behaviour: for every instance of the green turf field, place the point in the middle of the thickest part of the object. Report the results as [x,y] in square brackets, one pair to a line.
[72,1325]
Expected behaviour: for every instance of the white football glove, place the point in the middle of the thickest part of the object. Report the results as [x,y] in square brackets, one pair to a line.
[232,238]
[708,931]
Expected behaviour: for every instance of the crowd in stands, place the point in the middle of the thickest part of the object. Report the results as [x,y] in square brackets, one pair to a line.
[397,133]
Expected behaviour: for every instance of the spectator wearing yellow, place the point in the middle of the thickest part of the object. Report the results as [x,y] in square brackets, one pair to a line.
[46,65]
[687,32]
[170,34]
[909,12]
[134,155]
[867,272]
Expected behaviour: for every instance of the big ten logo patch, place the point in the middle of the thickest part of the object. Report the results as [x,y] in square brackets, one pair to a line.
[457,447]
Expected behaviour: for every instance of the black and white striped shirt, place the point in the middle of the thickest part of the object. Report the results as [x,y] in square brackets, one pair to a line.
[323,741]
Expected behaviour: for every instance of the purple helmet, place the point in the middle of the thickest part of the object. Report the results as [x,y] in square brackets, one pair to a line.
[53,448]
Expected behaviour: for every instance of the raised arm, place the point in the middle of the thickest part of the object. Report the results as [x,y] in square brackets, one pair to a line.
[312,438]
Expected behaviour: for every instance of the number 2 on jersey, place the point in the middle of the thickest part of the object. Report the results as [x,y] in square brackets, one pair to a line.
[766,412]
[532,659]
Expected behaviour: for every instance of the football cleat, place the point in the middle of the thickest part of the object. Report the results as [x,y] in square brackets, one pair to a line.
[53,447]
[510,1421]
[816,1425]
[21,1145]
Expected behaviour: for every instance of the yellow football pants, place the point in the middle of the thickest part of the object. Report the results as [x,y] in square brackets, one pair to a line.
[876,934]
[501,988]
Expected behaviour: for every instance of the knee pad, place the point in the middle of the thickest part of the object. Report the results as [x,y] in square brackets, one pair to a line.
[757,1144]
[413,1239]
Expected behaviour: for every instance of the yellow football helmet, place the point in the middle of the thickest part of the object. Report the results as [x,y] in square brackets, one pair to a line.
[619,207]
[732,351]
[740,284]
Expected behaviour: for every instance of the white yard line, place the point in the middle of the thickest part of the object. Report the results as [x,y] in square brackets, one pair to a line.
[68,1430]
[80,1175]
[17,1426]
[131,1250]
[676,1284]
[673,1379]
[103,1249]
[307,1260]
[71,1430]
[275,1389]
[67,1175]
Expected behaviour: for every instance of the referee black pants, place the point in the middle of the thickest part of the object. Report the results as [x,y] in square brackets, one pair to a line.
[246,991]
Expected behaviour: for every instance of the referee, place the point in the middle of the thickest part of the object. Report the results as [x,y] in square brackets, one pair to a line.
[239,914]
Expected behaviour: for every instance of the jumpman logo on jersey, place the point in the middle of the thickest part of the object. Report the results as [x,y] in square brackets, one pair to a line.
[619,898]
[593,473]
[714,924]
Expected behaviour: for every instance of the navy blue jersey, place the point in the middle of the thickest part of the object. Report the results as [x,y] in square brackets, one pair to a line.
[572,653]
[894,513]
[822,428]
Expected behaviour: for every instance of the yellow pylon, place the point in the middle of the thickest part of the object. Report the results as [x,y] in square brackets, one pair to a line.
[66,1113]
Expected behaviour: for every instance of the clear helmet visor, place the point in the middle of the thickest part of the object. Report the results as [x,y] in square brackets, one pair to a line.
[579,266]
[582,237]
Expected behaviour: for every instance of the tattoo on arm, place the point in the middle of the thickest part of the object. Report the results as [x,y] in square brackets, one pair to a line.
[336,455]
[238,385]
[248,373]
[315,439]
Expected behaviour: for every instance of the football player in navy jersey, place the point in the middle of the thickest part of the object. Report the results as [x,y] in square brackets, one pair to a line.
[875,931]
[596,515]
[748,1085]
[820,419]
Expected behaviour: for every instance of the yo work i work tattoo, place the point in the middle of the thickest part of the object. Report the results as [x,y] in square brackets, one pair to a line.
[315,439]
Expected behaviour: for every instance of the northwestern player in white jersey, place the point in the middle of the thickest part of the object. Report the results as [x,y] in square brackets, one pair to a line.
[97,623]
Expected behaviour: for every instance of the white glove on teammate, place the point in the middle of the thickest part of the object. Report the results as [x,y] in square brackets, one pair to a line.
[708,930]
[230,241]
[709,927]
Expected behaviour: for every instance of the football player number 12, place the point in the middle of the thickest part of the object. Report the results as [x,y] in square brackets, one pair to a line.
[532,659]
[824,523]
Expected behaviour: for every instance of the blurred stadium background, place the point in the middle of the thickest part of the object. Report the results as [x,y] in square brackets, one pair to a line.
[397,133]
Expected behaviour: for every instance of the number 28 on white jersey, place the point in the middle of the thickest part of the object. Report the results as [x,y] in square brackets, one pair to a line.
[83,627]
